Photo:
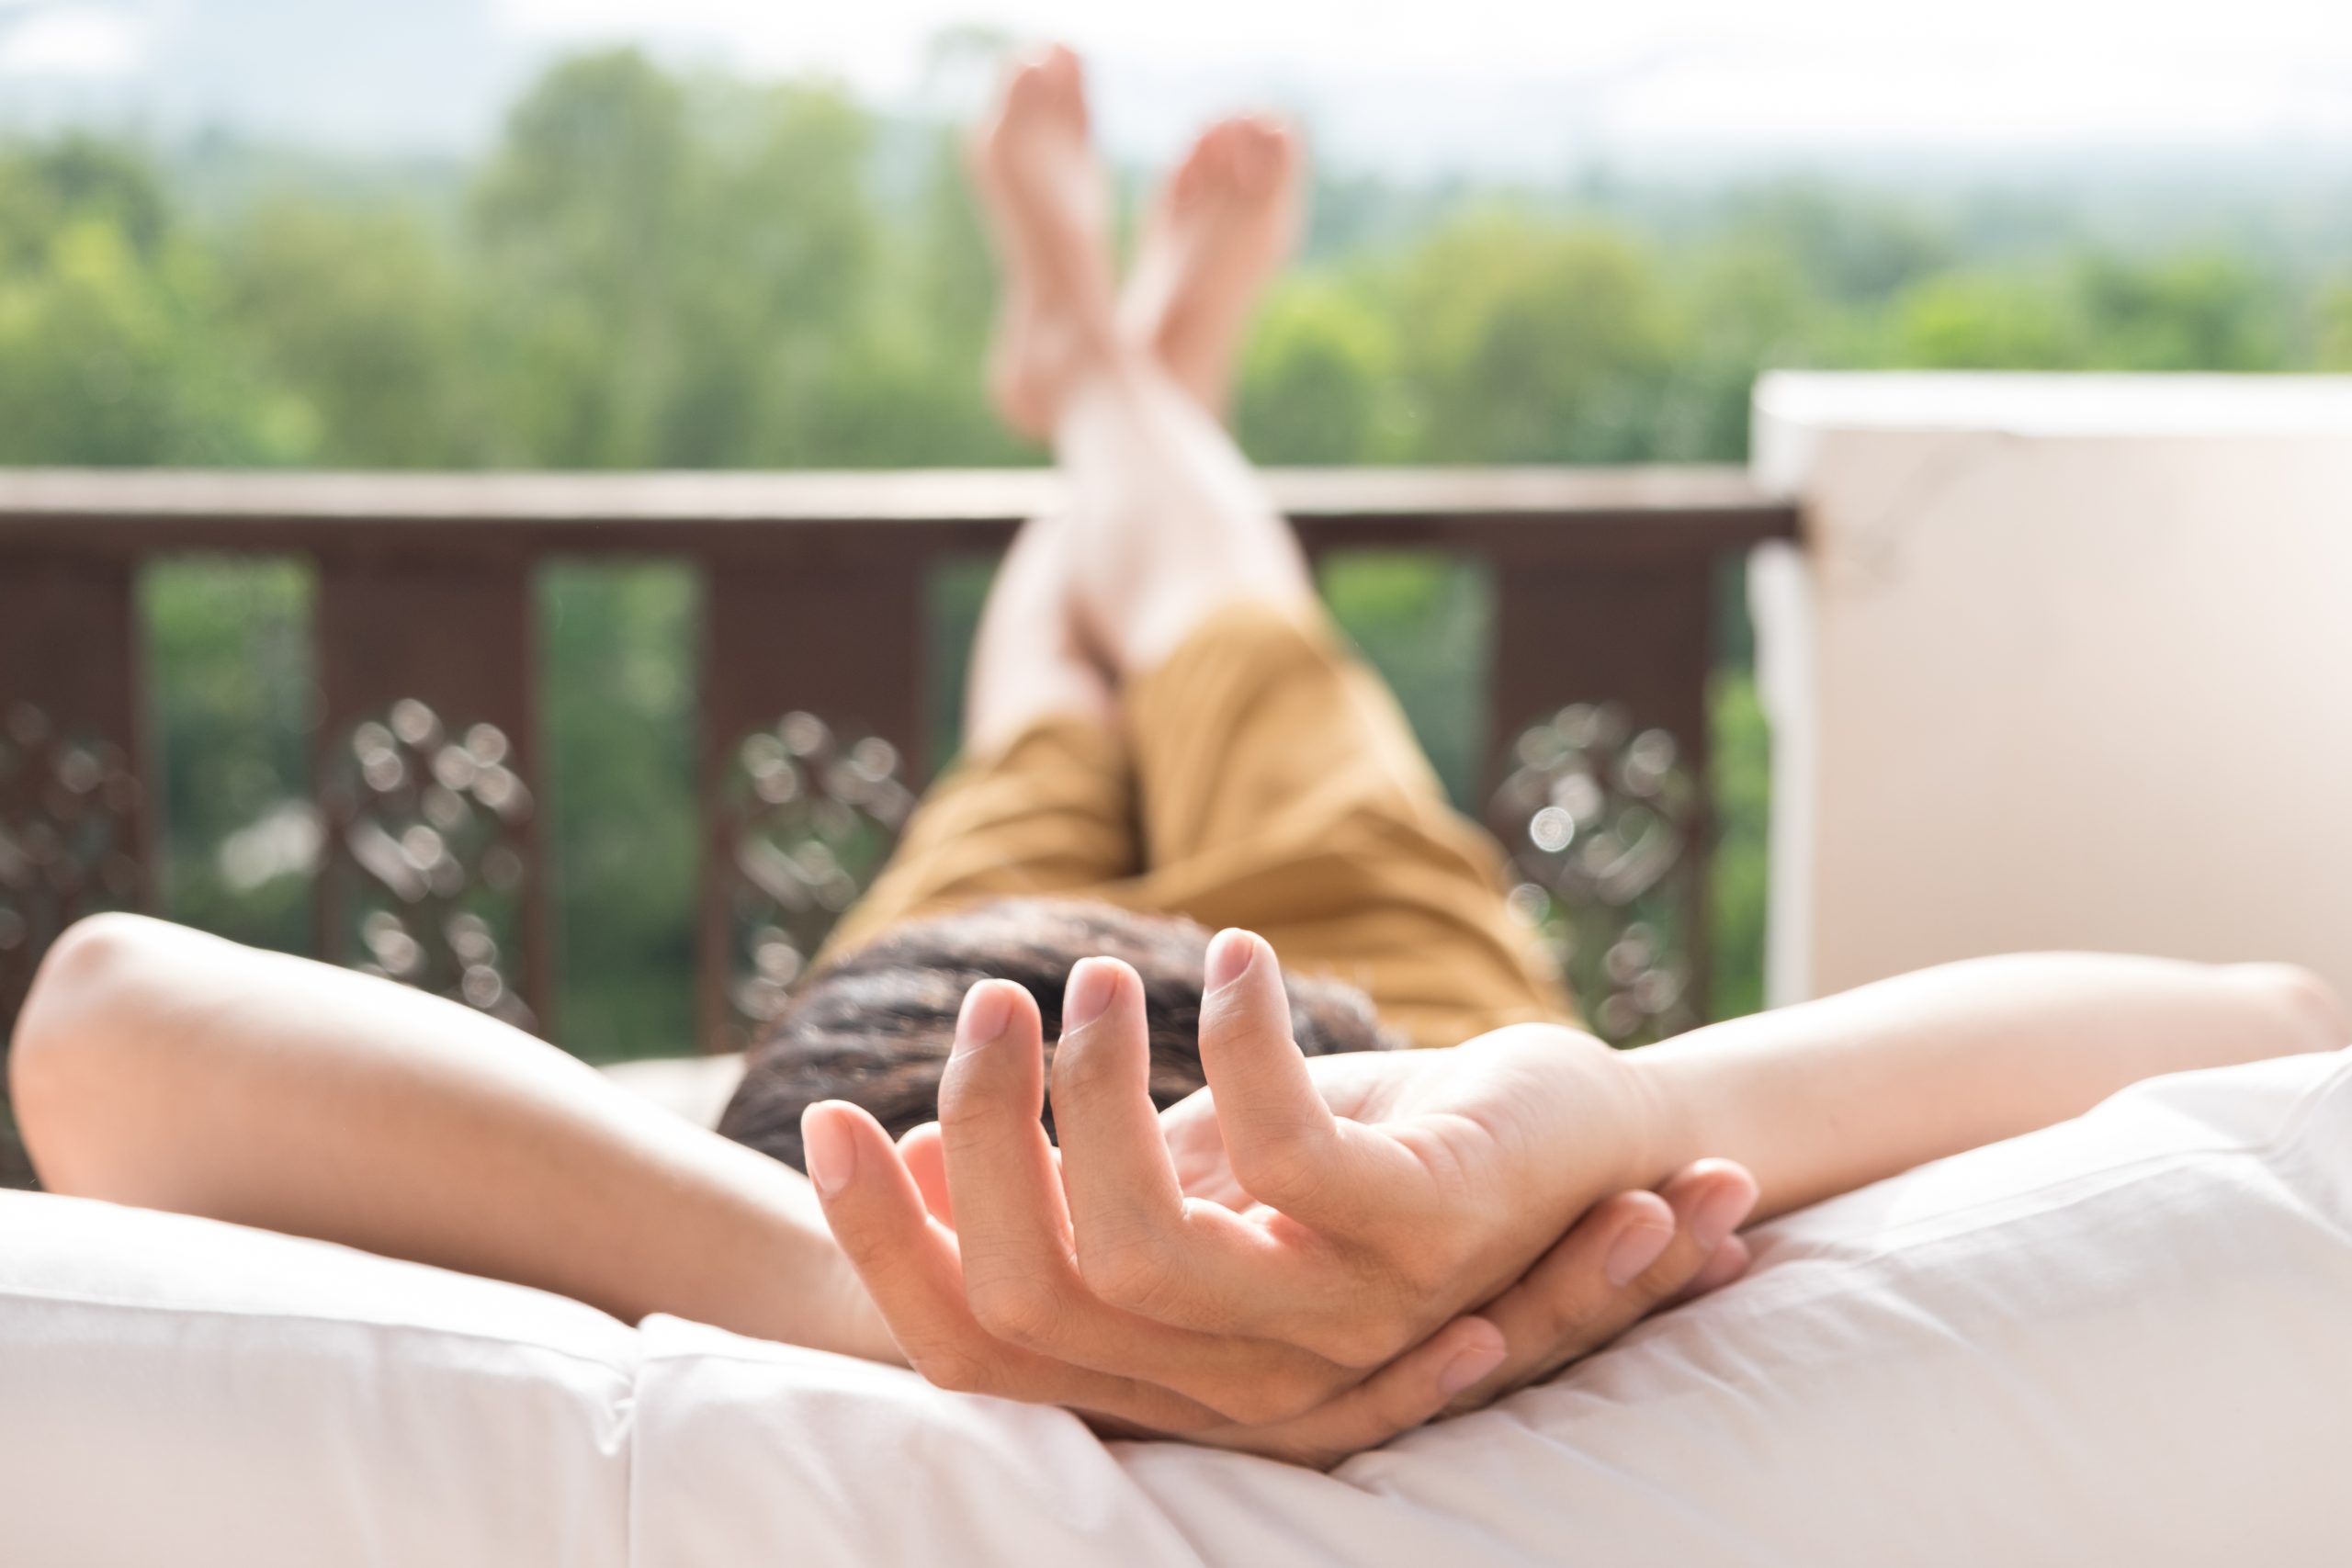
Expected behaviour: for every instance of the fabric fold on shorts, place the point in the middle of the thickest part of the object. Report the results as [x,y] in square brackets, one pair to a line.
[1264,777]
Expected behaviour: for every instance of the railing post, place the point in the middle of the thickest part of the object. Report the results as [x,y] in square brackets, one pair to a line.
[1639,638]
[77,801]
[458,635]
[836,627]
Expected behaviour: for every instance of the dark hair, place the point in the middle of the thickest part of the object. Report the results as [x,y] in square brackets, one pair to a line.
[874,1026]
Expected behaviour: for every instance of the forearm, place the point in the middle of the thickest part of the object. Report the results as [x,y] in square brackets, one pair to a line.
[158,1067]
[1823,1097]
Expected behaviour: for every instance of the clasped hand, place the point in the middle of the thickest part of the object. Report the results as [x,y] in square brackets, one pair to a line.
[1303,1259]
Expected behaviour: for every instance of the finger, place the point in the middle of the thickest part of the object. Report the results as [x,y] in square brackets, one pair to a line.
[926,1160]
[1628,1256]
[1141,1246]
[1568,1302]
[1407,1391]
[1285,1146]
[1001,1177]
[1021,1279]
[1729,1262]
[1126,1211]
[874,1210]
[907,1264]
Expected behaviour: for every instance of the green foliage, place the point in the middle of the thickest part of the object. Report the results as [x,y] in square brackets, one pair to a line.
[1319,384]
[358,316]
[616,644]
[656,269]
[1532,341]
[1741,766]
[2201,311]
[1964,320]
[2336,327]
[112,349]
[1421,621]
[229,652]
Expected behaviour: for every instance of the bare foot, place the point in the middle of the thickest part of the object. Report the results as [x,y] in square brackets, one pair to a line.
[1223,222]
[1044,193]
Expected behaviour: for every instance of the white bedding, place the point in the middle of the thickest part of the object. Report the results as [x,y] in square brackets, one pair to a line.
[2121,1340]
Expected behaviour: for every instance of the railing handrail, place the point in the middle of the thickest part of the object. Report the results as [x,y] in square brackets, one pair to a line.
[106,509]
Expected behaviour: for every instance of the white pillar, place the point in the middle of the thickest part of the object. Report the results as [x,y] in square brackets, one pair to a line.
[2065,662]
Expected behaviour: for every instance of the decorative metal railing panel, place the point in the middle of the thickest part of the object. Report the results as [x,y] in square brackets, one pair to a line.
[1600,823]
[810,818]
[68,805]
[69,809]
[1604,829]
[427,819]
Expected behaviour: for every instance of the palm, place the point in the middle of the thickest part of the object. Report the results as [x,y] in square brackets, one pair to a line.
[1480,1114]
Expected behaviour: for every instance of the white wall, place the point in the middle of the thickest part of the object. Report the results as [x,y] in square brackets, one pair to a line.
[2065,661]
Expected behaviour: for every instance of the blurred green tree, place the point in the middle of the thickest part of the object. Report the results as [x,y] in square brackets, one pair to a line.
[112,349]
[1320,381]
[359,317]
[1532,341]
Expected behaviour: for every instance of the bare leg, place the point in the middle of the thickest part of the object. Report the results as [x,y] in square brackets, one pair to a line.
[1171,523]
[157,1066]
[1220,227]
[1039,132]
[1028,659]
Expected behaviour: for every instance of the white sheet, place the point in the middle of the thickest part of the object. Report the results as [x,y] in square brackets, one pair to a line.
[2121,1340]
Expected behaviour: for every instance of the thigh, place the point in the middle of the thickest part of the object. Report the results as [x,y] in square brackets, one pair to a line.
[1050,812]
[1280,788]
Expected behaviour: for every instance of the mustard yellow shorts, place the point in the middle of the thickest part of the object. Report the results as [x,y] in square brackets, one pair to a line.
[1261,777]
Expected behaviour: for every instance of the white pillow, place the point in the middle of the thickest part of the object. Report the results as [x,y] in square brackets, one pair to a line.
[178,1392]
[2121,1340]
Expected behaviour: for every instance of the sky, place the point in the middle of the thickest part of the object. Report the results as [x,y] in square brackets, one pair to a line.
[1400,85]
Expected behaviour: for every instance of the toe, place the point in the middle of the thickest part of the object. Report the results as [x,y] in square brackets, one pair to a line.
[1025,91]
[1268,156]
[1063,80]
[1185,183]
[1254,164]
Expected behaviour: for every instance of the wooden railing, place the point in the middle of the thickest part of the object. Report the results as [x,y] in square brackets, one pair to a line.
[812,669]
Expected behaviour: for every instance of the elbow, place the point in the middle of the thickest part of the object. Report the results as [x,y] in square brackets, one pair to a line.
[64,1057]
[2311,1016]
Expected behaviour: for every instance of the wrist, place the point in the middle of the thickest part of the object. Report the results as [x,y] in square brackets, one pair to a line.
[1663,1115]
[1621,1129]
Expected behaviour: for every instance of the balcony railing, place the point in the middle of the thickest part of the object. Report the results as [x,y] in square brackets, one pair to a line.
[426,763]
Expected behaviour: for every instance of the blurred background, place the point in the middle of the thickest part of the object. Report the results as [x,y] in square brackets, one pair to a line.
[728,233]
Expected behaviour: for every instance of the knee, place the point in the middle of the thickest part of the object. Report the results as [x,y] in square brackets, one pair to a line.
[70,1032]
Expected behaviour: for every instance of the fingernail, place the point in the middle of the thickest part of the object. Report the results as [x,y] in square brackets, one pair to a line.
[1230,956]
[1721,1215]
[1636,1249]
[831,1152]
[1090,993]
[986,1010]
[1468,1368]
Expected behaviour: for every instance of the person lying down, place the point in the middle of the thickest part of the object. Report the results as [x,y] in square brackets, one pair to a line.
[1343,1167]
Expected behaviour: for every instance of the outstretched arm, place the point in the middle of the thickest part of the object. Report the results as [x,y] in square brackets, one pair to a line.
[1826,1096]
[159,1066]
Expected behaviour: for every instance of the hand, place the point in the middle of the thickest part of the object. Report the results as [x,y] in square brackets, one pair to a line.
[1626,1256]
[1371,1197]
[1631,1255]
[1014,1313]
